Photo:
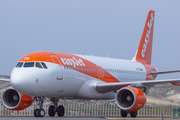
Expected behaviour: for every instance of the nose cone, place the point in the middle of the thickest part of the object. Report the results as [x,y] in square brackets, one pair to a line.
[18,79]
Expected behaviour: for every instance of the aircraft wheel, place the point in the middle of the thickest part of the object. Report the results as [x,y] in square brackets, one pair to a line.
[51,111]
[60,111]
[133,114]
[123,113]
[41,112]
[36,113]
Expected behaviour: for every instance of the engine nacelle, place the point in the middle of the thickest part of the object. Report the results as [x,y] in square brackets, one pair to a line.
[14,100]
[130,99]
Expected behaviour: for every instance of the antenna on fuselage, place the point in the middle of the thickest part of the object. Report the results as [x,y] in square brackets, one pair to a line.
[42,49]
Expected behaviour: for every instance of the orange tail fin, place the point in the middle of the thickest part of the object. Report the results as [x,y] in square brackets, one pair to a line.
[145,47]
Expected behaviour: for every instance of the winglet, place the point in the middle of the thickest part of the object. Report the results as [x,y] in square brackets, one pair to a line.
[145,47]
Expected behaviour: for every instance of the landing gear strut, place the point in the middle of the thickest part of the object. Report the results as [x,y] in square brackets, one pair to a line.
[40,112]
[55,108]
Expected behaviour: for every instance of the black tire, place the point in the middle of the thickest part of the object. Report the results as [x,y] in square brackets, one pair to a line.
[123,113]
[36,113]
[133,114]
[60,111]
[41,112]
[51,111]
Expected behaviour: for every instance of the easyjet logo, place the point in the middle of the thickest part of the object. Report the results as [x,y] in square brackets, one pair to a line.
[73,61]
[149,25]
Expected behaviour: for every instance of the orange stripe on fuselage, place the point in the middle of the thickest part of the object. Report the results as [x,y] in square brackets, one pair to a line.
[71,61]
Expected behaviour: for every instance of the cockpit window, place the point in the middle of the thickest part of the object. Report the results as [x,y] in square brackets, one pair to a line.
[38,65]
[29,64]
[44,65]
[19,64]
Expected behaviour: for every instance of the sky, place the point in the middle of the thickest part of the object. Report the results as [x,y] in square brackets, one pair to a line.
[90,27]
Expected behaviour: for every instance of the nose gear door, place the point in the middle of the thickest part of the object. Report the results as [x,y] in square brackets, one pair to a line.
[58,66]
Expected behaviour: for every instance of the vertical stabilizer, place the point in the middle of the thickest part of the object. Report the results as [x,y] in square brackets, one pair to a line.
[145,47]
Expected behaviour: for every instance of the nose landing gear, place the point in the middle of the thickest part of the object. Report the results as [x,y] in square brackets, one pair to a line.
[39,112]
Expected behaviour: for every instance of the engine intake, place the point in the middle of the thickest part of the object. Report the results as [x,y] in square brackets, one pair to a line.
[14,100]
[130,98]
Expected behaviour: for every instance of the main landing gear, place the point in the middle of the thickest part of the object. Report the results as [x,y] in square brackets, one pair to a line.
[40,112]
[124,113]
[55,108]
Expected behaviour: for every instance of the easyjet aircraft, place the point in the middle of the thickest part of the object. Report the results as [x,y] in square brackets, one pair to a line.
[72,76]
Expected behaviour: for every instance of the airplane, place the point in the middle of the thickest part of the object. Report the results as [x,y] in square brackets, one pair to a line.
[55,75]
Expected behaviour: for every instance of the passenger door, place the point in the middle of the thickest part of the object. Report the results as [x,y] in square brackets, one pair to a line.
[58,66]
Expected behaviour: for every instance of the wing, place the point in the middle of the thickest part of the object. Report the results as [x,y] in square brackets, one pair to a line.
[107,87]
[5,78]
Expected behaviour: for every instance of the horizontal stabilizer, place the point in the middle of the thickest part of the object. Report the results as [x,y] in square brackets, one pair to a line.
[164,72]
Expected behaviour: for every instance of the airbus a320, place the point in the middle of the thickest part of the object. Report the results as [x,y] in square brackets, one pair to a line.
[73,76]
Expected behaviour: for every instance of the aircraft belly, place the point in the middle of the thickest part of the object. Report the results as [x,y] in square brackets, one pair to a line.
[88,91]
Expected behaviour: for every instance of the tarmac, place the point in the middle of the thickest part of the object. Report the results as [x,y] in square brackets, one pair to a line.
[81,118]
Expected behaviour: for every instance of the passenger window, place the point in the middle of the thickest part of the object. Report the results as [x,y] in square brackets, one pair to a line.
[44,65]
[19,64]
[38,65]
[29,64]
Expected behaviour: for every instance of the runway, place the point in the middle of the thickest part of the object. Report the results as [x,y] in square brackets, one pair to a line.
[81,118]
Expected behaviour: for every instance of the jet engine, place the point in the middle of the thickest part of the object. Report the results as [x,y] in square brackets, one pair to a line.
[14,100]
[130,99]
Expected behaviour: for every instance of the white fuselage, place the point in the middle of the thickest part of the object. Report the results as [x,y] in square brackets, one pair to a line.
[70,83]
